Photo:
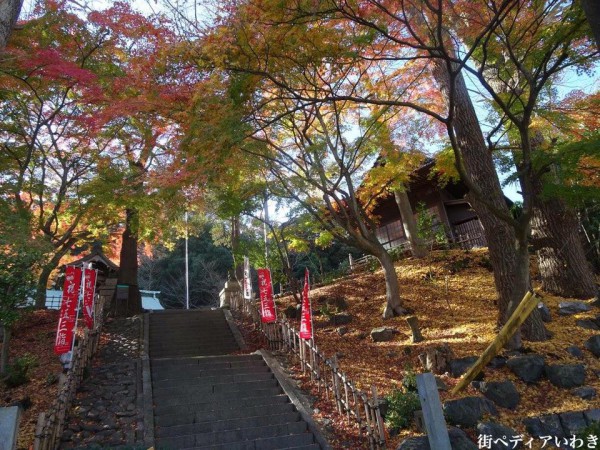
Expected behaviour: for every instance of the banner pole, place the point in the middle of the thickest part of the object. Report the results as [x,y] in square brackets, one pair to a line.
[312,328]
[94,300]
[187,269]
[79,302]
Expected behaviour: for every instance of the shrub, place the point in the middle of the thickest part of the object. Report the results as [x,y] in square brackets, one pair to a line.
[401,404]
[458,265]
[592,429]
[401,407]
[327,311]
[409,382]
[17,373]
[373,265]
[51,378]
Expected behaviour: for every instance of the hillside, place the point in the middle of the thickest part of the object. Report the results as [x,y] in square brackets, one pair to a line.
[452,294]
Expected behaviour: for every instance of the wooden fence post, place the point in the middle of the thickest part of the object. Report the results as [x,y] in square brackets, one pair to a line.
[433,415]
[378,418]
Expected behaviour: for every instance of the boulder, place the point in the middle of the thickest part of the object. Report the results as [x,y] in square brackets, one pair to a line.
[500,434]
[459,366]
[547,425]
[584,392]
[570,308]
[593,345]
[339,303]
[497,362]
[414,443]
[575,351]
[592,415]
[572,422]
[441,385]
[382,334]
[502,393]
[436,359]
[340,319]
[468,411]
[458,441]
[342,330]
[566,375]
[528,368]
[544,312]
[588,324]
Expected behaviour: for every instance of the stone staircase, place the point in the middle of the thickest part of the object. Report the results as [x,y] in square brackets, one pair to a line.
[181,333]
[206,399]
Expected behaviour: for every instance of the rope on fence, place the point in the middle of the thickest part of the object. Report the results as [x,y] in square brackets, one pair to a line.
[355,404]
[50,424]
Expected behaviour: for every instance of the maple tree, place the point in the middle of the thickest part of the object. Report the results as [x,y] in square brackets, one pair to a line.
[592,12]
[141,103]
[49,152]
[518,76]
[90,122]
[20,255]
[377,53]
[9,13]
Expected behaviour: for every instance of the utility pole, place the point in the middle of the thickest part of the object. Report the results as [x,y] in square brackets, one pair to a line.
[187,275]
[266,228]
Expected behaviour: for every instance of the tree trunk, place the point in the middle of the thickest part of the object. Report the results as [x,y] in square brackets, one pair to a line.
[393,305]
[417,248]
[42,283]
[5,346]
[128,268]
[9,13]
[235,245]
[564,269]
[508,255]
[592,13]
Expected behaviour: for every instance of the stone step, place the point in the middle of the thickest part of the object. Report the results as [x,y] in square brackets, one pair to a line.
[193,351]
[182,352]
[205,312]
[200,407]
[202,368]
[217,379]
[203,352]
[182,322]
[209,360]
[177,328]
[184,339]
[200,326]
[223,343]
[227,425]
[200,372]
[296,441]
[190,345]
[184,418]
[209,388]
[230,397]
[295,432]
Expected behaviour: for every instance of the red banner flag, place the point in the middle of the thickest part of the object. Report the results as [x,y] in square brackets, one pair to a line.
[89,289]
[306,329]
[267,305]
[68,311]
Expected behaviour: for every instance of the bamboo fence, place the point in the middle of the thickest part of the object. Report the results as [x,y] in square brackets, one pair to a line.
[362,408]
[51,423]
